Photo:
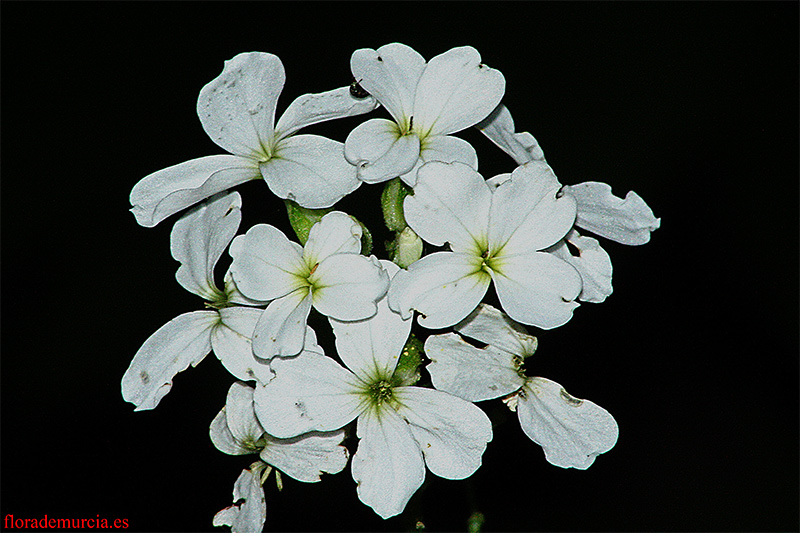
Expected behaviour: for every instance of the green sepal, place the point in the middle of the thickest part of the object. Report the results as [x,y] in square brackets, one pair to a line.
[394,193]
[302,218]
[406,248]
[407,370]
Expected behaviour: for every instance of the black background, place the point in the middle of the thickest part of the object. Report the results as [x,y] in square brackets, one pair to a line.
[692,105]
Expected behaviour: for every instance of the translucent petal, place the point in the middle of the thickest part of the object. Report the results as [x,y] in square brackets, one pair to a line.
[183,341]
[627,221]
[527,215]
[247,516]
[237,108]
[348,286]
[240,415]
[309,393]
[372,347]
[173,189]
[592,263]
[222,438]
[311,109]
[390,74]
[499,128]
[380,152]
[335,233]
[491,326]
[452,433]
[451,203]
[281,329]
[572,432]
[198,239]
[456,91]
[470,373]
[388,467]
[537,289]
[231,340]
[307,456]
[266,265]
[310,170]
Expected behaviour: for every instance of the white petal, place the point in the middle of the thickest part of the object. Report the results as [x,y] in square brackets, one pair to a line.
[592,263]
[310,170]
[232,344]
[465,371]
[266,265]
[183,341]
[491,326]
[237,108]
[307,456]
[240,415]
[452,433]
[499,128]
[456,91]
[572,432]
[627,221]
[537,289]
[348,286]
[281,329]
[249,516]
[446,149]
[309,393]
[198,239]
[380,151]
[450,203]
[175,188]
[235,296]
[335,233]
[311,109]
[388,465]
[222,438]
[444,287]
[390,74]
[527,214]
[372,347]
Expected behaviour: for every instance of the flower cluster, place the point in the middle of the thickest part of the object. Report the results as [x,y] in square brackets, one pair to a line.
[412,404]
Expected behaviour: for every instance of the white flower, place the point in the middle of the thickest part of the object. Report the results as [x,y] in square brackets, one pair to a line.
[428,102]
[249,509]
[629,221]
[237,110]
[401,428]
[592,263]
[197,241]
[236,431]
[496,232]
[328,274]
[572,432]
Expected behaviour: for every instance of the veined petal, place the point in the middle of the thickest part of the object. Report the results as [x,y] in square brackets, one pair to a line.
[451,203]
[499,128]
[380,151]
[314,108]
[175,188]
[470,373]
[231,340]
[183,341]
[572,432]
[335,233]
[491,326]
[444,287]
[527,215]
[222,438]
[266,265]
[627,221]
[310,170]
[307,456]
[388,466]
[537,289]
[592,263]
[348,286]
[281,330]
[390,74]
[309,393]
[452,433]
[198,239]
[372,347]
[240,415]
[248,516]
[235,296]
[237,108]
[456,91]
[444,148]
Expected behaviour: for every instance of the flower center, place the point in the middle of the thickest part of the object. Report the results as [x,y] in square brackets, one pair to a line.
[380,392]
